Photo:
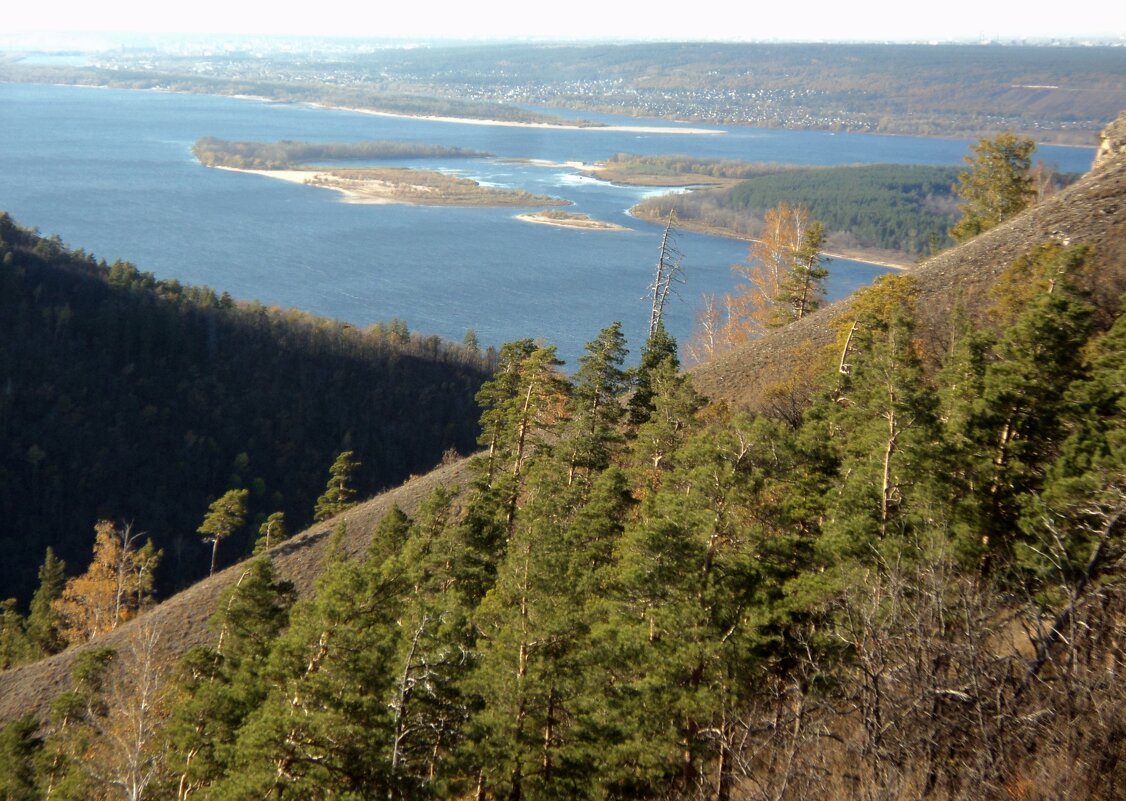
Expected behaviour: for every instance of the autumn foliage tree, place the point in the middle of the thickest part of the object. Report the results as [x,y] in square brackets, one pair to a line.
[118,583]
[783,281]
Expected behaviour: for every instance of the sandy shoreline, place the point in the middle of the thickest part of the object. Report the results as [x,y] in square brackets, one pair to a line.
[318,180]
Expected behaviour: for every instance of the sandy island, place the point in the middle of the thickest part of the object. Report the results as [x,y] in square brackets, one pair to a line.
[562,219]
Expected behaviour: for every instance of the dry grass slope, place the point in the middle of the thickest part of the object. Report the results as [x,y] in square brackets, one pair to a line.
[1093,210]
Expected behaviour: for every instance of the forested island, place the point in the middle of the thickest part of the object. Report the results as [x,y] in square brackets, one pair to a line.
[288,161]
[213,152]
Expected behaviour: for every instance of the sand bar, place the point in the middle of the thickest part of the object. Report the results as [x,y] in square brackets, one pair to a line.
[570,221]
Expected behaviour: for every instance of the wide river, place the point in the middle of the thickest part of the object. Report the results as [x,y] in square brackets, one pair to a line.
[111,171]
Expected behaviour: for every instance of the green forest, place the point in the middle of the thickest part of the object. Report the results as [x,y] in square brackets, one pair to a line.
[907,590]
[896,207]
[139,400]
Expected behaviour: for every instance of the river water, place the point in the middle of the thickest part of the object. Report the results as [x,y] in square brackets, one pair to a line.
[111,171]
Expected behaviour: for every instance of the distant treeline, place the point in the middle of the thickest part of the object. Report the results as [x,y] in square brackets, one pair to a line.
[276,155]
[138,400]
[907,208]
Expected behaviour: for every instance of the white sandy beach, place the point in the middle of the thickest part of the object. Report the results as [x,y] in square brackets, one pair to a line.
[322,180]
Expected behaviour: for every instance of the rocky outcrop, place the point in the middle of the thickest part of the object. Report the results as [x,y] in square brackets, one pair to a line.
[1112,143]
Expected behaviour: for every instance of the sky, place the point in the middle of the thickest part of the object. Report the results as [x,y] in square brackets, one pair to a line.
[731,20]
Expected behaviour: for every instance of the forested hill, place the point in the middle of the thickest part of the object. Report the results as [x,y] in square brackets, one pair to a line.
[141,401]
[911,588]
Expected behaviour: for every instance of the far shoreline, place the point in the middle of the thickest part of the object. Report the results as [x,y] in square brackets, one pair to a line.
[966,136]
[650,129]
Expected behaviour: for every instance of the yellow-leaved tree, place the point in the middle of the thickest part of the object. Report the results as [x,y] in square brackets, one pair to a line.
[782,282]
[118,583]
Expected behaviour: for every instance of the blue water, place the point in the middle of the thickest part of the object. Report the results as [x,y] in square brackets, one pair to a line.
[111,171]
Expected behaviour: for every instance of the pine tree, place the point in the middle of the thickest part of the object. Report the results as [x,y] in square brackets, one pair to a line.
[596,406]
[530,634]
[884,427]
[1072,527]
[322,730]
[802,288]
[496,396]
[435,651]
[70,731]
[659,349]
[1016,424]
[225,516]
[43,623]
[673,404]
[525,405]
[678,642]
[996,185]
[219,686]
[270,533]
[19,746]
[15,647]
[339,494]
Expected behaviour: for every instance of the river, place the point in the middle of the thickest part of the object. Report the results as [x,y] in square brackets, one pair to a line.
[111,171]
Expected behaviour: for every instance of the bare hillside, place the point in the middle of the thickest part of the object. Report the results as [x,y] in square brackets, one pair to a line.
[1093,211]
[182,619]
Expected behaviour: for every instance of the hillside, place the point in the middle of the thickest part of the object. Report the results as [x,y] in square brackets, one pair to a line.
[127,398]
[912,589]
[1093,210]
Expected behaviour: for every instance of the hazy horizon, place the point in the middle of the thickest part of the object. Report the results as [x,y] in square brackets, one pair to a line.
[58,23]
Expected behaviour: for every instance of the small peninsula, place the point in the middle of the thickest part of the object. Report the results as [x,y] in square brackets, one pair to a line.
[288,161]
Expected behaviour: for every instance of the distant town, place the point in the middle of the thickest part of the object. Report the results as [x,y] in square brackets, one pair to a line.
[1061,94]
